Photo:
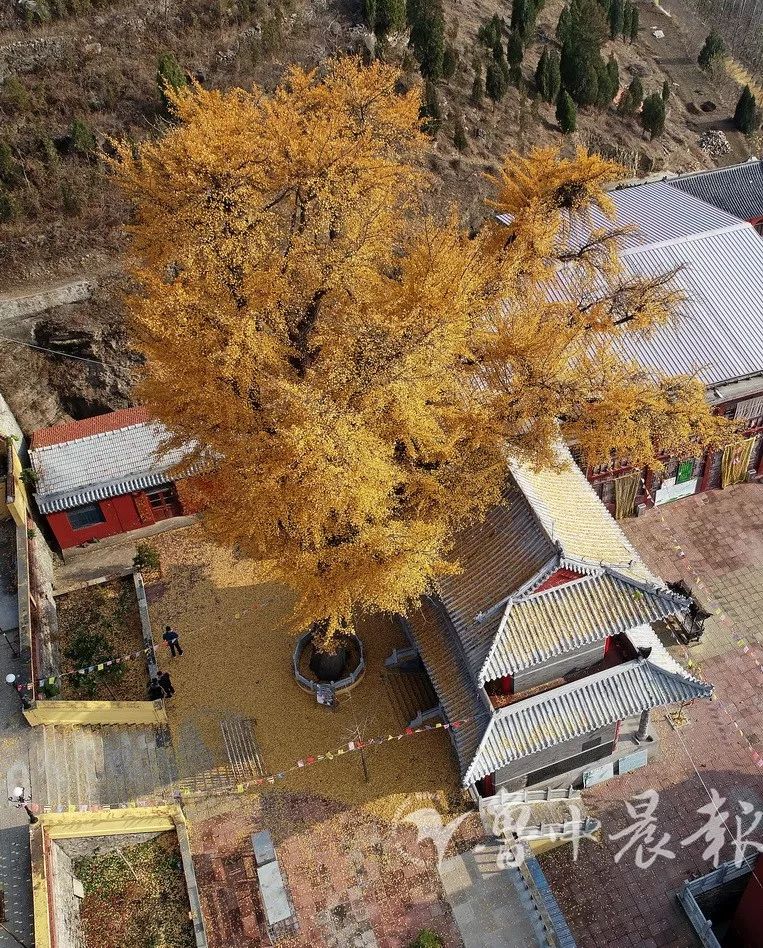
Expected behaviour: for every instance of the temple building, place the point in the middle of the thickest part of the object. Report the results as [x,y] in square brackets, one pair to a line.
[107,475]
[542,649]
[715,334]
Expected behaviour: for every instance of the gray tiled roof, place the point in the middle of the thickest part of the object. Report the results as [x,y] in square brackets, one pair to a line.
[540,626]
[443,658]
[717,330]
[737,189]
[583,706]
[655,212]
[496,558]
[573,516]
[102,465]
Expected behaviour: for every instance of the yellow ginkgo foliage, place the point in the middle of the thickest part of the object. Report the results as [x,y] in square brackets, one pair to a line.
[355,364]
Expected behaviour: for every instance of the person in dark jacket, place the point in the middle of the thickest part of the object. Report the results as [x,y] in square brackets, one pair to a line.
[172,639]
[166,684]
[155,692]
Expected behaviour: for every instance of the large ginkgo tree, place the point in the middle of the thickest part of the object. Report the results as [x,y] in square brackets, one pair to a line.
[355,365]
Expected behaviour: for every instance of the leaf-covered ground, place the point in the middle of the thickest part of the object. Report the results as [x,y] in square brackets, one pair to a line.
[237,636]
[136,897]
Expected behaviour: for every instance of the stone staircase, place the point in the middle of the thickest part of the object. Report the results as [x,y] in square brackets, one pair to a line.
[114,765]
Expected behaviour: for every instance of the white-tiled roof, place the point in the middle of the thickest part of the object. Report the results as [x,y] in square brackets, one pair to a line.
[583,706]
[540,626]
[717,331]
[102,465]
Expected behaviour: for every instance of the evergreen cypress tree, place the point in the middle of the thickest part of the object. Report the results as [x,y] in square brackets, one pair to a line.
[634,23]
[388,15]
[427,40]
[632,98]
[520,10]
[495,81]
[514,55]
[613,79]
[653,115]
[563,25]
[566,113]
[554,76]
[369,13]
[627,19]
[605,90]
[490,31]
[714,48]
[523,16]
[169,75]
[459,134]
[665,91]
[616,10]
[744,114]
[579,71]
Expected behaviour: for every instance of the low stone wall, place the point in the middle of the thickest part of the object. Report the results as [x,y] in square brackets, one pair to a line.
[58,837]
[145,624]
[95,712]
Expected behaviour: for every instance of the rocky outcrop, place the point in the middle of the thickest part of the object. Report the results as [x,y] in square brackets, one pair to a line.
[29,54]
[22,304]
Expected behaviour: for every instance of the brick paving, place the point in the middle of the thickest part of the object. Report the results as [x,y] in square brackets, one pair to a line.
[356,881]
[715,542]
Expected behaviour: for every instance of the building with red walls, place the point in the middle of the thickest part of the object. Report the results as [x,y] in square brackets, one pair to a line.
[715,334]
[541,647]
[104,476]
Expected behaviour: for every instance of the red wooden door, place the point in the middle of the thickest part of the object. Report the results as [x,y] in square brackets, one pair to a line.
[164,502]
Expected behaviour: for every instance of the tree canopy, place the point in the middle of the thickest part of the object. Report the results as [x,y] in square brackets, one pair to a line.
[653,114]
[713,48]
[355,367]
[744,113]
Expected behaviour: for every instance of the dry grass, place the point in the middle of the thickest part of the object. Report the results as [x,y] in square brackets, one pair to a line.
[237,635]
[110,612]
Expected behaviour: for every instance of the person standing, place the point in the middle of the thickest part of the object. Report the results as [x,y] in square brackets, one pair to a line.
[166,684]
[172,638]
[155,692]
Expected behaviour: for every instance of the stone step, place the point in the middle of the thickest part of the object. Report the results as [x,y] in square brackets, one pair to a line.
[38,772]
[242,748]
[112,765]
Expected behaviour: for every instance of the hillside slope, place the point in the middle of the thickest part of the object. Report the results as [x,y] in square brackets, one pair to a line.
[76,73]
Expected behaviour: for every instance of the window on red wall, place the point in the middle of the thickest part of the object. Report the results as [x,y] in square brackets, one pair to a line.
[88,515]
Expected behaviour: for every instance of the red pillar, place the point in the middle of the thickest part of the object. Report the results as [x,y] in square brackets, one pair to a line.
[706,470]
[649,487]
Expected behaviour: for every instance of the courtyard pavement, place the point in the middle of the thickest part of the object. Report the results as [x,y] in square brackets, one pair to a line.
[355,880]
[715,542]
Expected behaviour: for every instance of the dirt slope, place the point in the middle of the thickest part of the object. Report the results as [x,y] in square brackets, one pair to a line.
[97,65]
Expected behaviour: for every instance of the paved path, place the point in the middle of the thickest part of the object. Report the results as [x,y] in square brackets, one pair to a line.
[9,613]
[715,542]
[485,902]
[15,867]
